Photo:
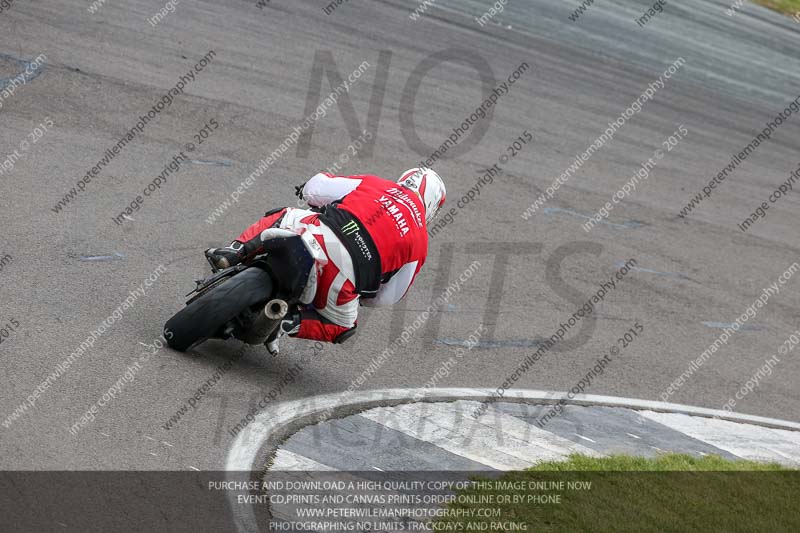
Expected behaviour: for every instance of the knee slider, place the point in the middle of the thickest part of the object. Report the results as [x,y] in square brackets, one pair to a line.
[343,336]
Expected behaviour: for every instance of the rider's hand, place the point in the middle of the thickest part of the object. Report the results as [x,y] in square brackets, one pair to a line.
[298,190]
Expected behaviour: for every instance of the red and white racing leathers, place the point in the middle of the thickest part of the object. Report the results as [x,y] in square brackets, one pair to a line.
[372,233]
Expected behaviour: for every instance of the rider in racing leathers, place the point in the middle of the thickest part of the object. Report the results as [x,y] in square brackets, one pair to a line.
[368,237]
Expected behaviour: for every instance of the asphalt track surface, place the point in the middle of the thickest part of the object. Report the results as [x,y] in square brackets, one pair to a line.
[70,270]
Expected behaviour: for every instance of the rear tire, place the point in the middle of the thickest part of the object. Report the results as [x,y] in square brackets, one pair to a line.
[205,316]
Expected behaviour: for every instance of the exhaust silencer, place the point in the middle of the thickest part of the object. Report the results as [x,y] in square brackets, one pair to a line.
[276,309]
[266,322]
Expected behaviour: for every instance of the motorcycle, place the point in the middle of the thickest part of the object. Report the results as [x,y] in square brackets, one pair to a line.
[245,301]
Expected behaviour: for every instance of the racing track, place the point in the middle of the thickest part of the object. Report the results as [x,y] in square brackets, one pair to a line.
[71,269]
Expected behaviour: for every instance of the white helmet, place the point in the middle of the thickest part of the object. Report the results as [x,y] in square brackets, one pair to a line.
[428,185]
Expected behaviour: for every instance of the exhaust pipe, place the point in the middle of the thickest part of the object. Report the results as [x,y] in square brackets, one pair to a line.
[276,309]
[266,322]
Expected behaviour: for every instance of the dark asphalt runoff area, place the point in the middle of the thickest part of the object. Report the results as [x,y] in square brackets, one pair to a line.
[257,72]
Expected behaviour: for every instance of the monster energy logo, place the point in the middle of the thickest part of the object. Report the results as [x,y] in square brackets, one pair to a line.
[350,228]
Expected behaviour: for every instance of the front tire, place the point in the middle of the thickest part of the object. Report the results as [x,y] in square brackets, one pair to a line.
[209,313]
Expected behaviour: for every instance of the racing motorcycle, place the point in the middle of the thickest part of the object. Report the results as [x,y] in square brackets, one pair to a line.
[245,301]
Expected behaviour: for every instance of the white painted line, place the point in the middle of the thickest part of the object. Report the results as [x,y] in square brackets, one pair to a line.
[167,444]
[378,469]
[150,438]
[105,434]
[425,422]
[585,438]
[743,440]
[632,435]
[522,430]
[778,452]
[151,453]
[286,460]
[495,439]
[193,468]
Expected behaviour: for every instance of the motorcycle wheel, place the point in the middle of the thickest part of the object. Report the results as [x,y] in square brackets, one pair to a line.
[204,317]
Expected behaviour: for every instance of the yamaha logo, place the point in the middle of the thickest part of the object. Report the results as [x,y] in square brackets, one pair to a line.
[350,228]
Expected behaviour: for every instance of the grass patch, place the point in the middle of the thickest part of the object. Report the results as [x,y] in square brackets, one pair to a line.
[668,462]
[787,7]
[669,493]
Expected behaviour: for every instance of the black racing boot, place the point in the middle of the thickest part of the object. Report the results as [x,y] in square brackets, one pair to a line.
[223,258]
[235,253]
